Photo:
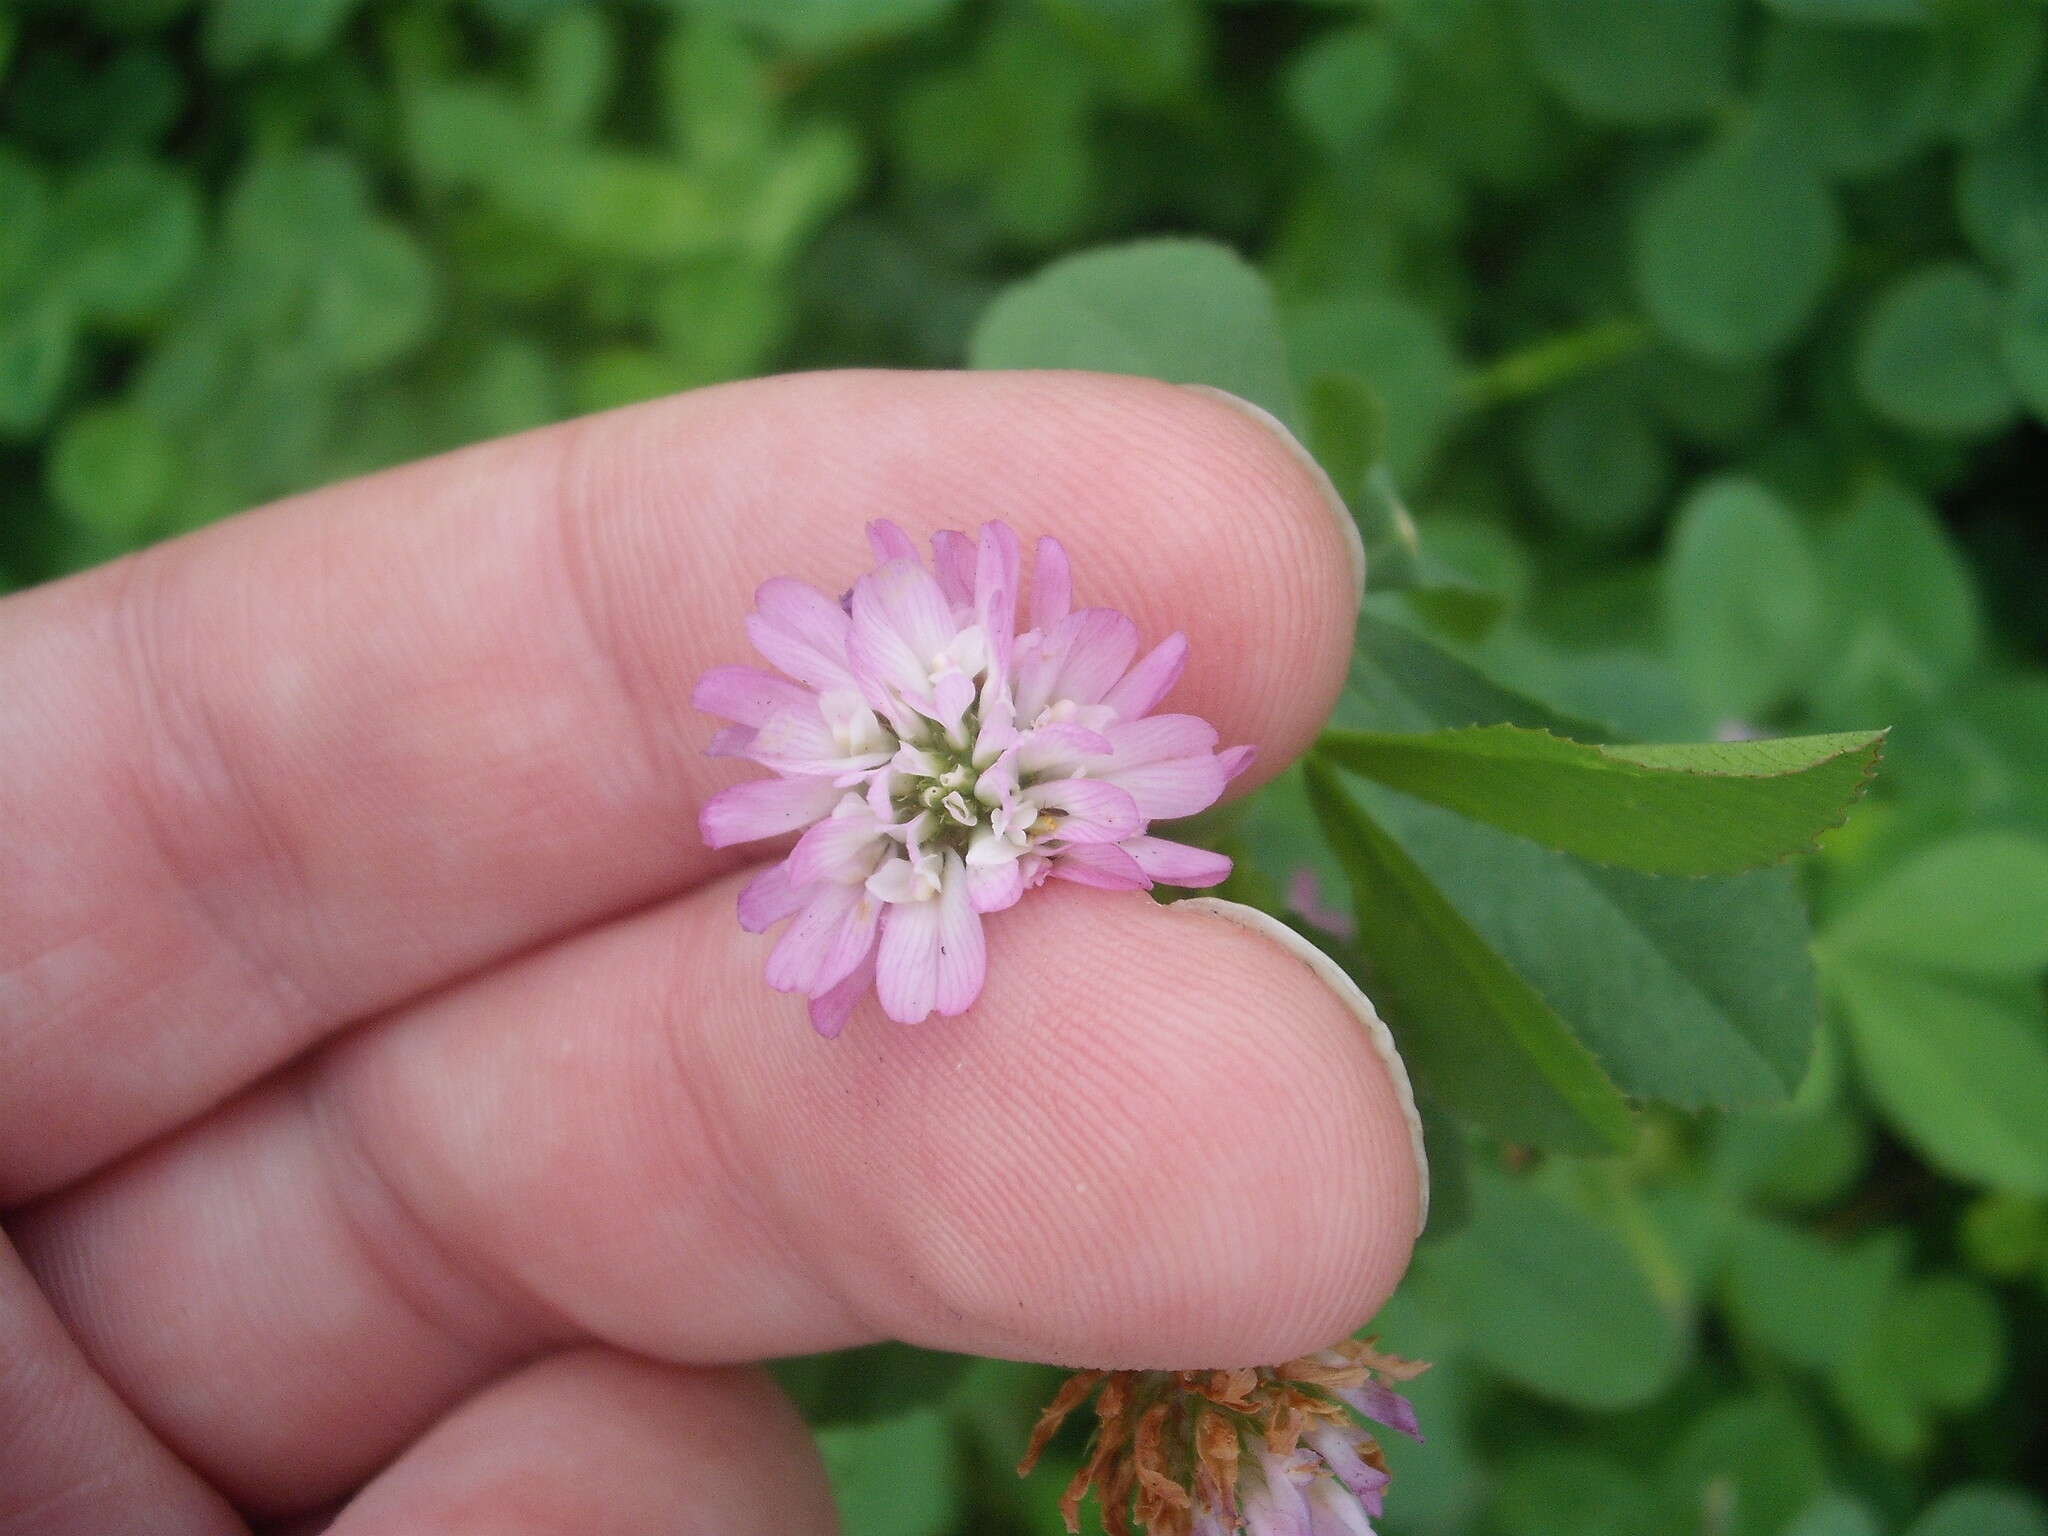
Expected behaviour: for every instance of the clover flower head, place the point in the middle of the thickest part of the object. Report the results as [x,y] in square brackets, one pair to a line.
[939,763]
[1266,1451]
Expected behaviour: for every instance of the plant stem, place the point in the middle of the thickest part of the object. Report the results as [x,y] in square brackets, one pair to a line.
[1555,360]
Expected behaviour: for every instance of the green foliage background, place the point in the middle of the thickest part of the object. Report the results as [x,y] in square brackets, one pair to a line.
[1705,340]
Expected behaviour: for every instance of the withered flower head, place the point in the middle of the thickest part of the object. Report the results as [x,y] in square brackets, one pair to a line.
[1267,1450]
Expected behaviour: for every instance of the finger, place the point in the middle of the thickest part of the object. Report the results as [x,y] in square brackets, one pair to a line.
[594,1440]
[74,1461]
[1157,1140]
[305,764]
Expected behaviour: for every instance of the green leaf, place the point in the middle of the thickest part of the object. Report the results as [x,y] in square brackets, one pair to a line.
[1595,454]
[241,32]
[111,468]
[1641,63]
[2023,343]
[1476,1036]
[1402,351]
[1971,906]
[877,1381]
[1929,355]
[1746,1467]
[1342,88]
[575,69]
[2002,190]
[1566,1490]
[1834,1514]
[1901,619]
[1983,1509]
[825,24]
[1554,1301]
[1694,991]
[1187,311]
[1814,1301]
[1945,1337]
[38,339]
[894,1477]
[1735,247]
[1961,1073]
[1854,13]
[125,234]
[1701,809]
[1741,598]
[1857,99]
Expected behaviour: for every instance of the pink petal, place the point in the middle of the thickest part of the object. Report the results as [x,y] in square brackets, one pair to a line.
[1098,646]
[998,572]
[1090,811]
[797,740]
[1339,1448]
[995,886]
[1333,1512]
[963,953]
[1052,586]
[1236,759]
[907,963]
[900,625]
[768,898]
[803,632]
[1060,746]
[748,695]
[1102,865]
[1179,786]
[731,741]
[1150,680]
[827,940]
[1171,863]
[1158,737]
[890,542]
[842,848]
[953,559]
[829,1009]
[1383,1405]
[763,808]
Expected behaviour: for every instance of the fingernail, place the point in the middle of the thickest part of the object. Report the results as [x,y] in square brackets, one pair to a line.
[1332,976]
[1354,542]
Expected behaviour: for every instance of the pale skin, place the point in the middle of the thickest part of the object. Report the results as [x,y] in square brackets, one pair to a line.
[396,1134]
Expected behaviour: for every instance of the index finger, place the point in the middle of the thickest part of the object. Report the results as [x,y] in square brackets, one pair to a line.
[306,764]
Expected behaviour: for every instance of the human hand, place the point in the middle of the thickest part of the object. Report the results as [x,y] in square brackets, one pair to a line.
[392,1115]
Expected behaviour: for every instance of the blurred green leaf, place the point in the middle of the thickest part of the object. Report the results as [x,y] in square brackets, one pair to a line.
[1635,62]
[823,24]
[1342,87]
[1573,1491]
[1594,453]
[877,1382]
[1746,1467]
[1984,1509]
[1962,1073]
[1834,1514]
[2024,339]
[1741,599]
[1971,905]
[125,233]
[1945,1336]
[1813,1301]
[1401,351]
[575,69]
[110,467]
[1734,248]
[1854,13]
[38,338]
[1858,99]
[1929,355]
[2002,189]
[240,32]
[1901,618]
[1186,311]
[1554,1301]
[893,1477]
[1694,809]
[1473,1032]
